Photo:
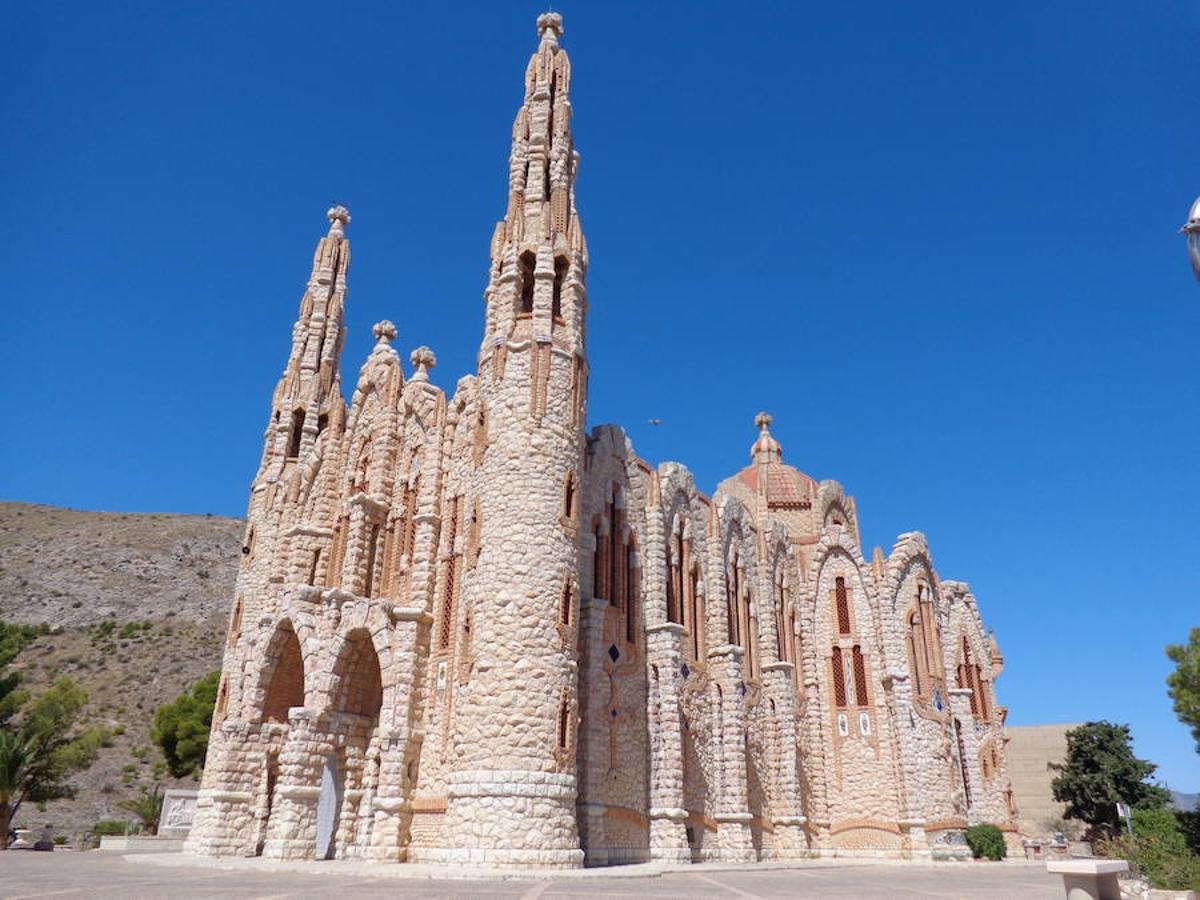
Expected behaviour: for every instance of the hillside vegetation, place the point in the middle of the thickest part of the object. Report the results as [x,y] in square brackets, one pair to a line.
[137,604]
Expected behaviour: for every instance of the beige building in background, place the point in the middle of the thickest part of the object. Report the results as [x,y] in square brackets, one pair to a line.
[1031,750]
[466,630]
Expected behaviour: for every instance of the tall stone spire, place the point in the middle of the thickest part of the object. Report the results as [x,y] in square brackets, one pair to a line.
[513,788]
[539,256]
[308,397]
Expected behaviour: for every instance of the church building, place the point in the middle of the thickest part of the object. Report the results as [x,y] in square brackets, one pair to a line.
[467,630]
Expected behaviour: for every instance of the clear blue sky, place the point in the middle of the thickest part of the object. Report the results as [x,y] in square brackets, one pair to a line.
[937,241]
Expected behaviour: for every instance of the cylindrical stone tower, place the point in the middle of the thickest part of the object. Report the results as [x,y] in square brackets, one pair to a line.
[512,789]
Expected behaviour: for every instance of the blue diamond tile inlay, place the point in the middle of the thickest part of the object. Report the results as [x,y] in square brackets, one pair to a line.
[685,671]
[613,652]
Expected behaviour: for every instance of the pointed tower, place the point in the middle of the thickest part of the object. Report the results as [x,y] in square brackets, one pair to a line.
[307,400]
[308,393]
[512,791]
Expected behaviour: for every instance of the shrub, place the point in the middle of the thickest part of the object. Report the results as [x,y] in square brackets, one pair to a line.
[1158,850]
[60,839]
[986,841]
[111,827]
[181,727]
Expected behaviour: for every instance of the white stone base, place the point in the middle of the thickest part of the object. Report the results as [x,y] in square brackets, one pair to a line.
[498,856]
[141,844]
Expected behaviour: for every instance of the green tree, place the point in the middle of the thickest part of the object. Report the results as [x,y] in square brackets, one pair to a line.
[1183,684]
[1101,771]
[13,639]
[181,727]
[44,749]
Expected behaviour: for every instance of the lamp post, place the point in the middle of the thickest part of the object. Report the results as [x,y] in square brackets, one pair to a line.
[1192,229]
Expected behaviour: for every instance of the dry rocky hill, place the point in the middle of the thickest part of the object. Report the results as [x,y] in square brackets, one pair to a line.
[164,582]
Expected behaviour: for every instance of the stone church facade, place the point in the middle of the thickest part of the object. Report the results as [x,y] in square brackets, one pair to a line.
[467,631]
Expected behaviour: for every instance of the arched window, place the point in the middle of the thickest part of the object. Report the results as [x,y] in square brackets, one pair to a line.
[525,266]
[297,433]
[598,562]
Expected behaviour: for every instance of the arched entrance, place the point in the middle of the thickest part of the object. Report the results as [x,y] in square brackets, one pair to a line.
[284,679]
[356,702]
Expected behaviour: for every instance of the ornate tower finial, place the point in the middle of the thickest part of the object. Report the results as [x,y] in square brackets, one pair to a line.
[550,27]
[339,218]
[385,331]
[423,359]
[766,448]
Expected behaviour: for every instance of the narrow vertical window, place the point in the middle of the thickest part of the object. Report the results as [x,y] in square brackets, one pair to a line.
[697,617]
[839,679]
[569,496]
[564,724]
[312,569]
[372,551]
[235,623]
[565,613]
[598,563]
[297,433]
[526,265]
[918,686]
[860,678]
[631,593]
[732,590]
[843,605]
[781,636]
[560,277]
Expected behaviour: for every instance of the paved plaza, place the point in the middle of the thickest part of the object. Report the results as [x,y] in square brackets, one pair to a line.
[25,874]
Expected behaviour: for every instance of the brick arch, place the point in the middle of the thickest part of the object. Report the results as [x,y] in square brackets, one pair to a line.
[358,677]
[282,679]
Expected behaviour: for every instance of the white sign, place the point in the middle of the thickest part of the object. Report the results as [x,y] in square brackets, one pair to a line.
[1123,810]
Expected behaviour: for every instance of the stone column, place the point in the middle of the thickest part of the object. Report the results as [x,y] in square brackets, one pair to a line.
[292,829]
[898,688]
[734,841]
[391,807]
[668,834]
[593,725]
[787,817]
[224,821]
